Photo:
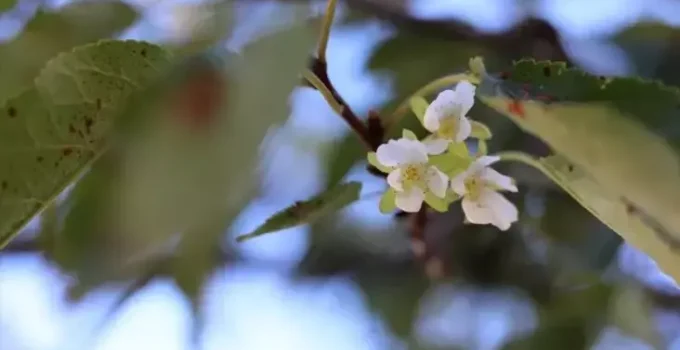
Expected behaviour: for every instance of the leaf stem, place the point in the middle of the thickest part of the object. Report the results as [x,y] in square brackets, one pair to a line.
[430,88]
[527,159]
[326,30]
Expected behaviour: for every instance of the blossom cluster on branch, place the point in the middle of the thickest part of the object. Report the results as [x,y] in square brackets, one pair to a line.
[439,169]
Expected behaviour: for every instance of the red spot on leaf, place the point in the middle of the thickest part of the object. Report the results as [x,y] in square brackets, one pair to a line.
[516,107]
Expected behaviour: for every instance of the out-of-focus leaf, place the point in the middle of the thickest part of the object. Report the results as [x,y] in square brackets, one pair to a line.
[632,311]
[179,177]
[198,256]
[50,133]
[629,147]
[50,33]
[376,259]
[309,210]
[653,50]
[571,321]
[395,296]
[80,247]
[7,4]
[569,225]
[344,155]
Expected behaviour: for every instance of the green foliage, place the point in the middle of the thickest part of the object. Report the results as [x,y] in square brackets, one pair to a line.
[7,4]
[50,33]
[50,133]
[307,211]
[620,132]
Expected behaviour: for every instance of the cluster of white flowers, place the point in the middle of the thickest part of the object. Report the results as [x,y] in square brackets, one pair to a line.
[439,169]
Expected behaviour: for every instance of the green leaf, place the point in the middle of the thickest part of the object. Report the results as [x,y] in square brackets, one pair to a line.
[408,134]
[620,131]
[344,154]
[51,133]
[50,33]
[419,106]
[7,4]
[308,211]
[637,229]
[480,131]
[179,177]
[387,201]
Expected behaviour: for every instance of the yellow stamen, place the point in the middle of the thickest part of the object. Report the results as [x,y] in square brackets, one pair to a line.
[474,187]
[412,173]
[448,128]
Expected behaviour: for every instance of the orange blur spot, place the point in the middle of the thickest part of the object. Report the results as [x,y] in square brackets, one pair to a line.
[516,107]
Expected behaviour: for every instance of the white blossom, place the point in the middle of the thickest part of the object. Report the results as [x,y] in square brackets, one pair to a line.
[479,186]
[446,117]
[410,175]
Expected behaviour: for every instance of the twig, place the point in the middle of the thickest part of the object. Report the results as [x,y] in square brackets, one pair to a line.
[317,76]
[326,30]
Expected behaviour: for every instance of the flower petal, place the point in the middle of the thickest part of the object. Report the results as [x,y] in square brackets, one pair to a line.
[414,151]
[491,208]
[435,145]
[499,180]
[410,201]
[475,212]
[394,180]
[464,129]
[465,96]
[443,105]
[390,154]
[401,151]
[482,162]
[458,183]
[437,182]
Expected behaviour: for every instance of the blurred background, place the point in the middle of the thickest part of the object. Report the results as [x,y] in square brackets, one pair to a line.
[251,143]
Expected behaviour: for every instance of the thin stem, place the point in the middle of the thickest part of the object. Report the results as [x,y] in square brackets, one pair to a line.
[323,89]
[326,30]
[338,105]
[430,88]
[521,157]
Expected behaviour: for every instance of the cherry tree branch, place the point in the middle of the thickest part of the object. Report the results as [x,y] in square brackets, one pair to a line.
[370,133]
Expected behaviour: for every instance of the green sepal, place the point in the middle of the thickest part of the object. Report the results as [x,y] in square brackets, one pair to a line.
[418,106]
[451,196]
[408,134]
[482,149]
[373,160]
[439,204]
[388,201]
[480,131]
[459,150]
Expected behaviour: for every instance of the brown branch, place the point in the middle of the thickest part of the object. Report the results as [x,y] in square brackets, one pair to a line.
[370,133]
[432,265]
